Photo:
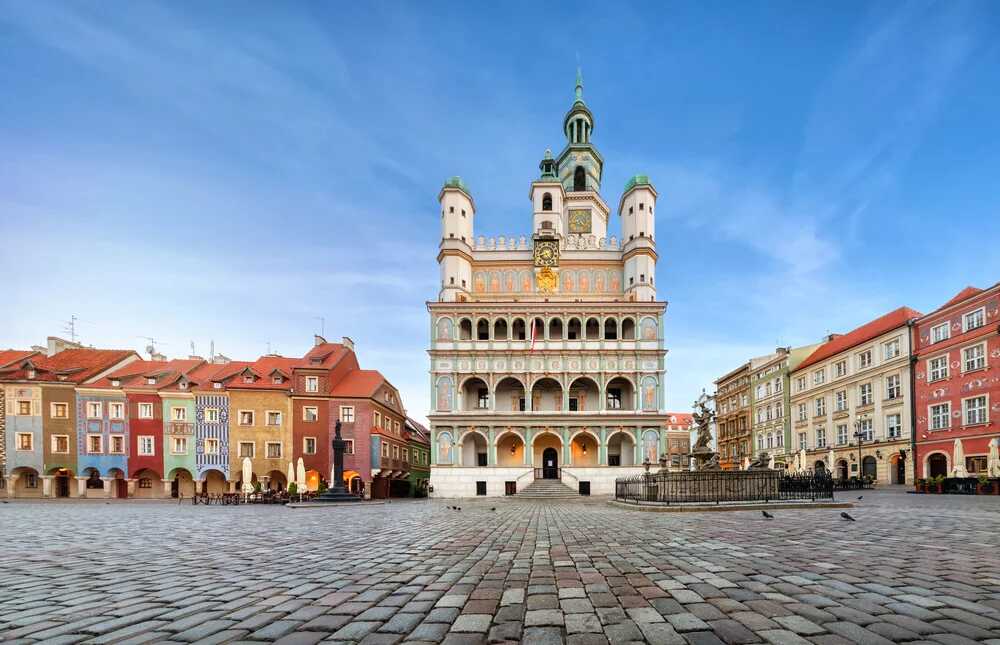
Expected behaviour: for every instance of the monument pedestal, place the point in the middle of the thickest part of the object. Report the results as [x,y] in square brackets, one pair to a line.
[337,491]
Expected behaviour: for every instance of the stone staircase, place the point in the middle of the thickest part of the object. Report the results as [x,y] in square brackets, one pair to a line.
[547,489]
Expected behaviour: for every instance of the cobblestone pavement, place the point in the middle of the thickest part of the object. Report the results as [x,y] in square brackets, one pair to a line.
[911,569]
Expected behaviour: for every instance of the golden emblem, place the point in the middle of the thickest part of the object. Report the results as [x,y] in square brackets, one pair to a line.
[547,280]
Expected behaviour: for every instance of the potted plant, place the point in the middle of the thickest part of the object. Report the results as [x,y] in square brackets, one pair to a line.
[937,484]
[293,489]
[985,486]
[920,484]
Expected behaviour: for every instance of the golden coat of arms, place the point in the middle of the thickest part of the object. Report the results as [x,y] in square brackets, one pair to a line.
[547,280]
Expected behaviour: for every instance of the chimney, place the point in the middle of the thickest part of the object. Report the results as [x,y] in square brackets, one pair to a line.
[348,343]
[157,356]
[318,340]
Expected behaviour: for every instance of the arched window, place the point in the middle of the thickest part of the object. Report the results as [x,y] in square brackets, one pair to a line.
[579,179]
[547,202]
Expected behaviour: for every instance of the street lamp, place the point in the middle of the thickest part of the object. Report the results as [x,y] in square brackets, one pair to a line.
[859,436]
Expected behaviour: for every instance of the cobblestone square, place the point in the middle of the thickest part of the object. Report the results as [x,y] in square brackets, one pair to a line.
[911,569]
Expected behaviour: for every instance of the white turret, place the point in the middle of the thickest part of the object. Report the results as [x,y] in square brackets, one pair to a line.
[637,212]
[455,257]
[547,195]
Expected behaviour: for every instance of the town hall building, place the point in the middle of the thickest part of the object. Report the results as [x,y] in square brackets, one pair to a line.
[547,353]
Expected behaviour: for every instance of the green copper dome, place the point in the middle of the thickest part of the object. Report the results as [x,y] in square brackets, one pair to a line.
[456,182]
[636,180]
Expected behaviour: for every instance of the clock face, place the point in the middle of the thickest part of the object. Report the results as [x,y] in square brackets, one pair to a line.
[546,254]
[579,221]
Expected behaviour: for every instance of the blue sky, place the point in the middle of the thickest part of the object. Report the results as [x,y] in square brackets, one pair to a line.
[233,170]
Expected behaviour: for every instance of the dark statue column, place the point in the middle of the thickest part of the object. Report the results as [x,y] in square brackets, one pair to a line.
[337,492]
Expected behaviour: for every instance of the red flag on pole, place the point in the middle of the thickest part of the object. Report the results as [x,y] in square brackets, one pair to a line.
[532,348]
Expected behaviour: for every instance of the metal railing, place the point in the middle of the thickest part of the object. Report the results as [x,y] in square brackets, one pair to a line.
[717,487]
[553,473]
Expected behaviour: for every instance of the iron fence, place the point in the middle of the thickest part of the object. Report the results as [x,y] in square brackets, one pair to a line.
[718,487]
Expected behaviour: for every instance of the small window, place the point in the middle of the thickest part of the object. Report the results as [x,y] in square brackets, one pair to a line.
[312,384]
[211,446]
[975,410]
[179,446]
[940,332]
[145,410]
[274,450]
[546,202]
[273,418]
[481,488]
[95,444]
[349,446]
[309,445]
[310,413]
[974,319]
[117,446]
[974,358]
[116,410]
[246,417]
[347,414]
[94,410]
[151,380]
[146,446]
[246,449]
[24,408]
[937,368]
[60,410]
[60,444]
[145,482]
[25,441]
[248,378]
[212,415]
[178,414]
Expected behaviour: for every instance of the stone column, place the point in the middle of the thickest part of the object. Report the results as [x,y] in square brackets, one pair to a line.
[47,485]
[81,486]
[107,486]
[491,447]
[131,487]
[602,449]
[528,461]
[11,485]
[166,488]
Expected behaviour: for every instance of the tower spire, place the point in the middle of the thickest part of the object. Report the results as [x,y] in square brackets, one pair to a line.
[579,85]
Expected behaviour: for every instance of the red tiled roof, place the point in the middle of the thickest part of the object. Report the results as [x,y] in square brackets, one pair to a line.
[9,356]
[264,368]
[135,373]
[359,384]
[863,334]
[679,419]
[964,294]
[328,355]
[70,365]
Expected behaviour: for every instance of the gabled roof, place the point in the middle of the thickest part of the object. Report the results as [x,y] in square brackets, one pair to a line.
[263,370]
[964,294]
[418,432]
[11,356]
[359,384]
[679,419]
[863,334]
[68,366]
[135,374]
[323,356]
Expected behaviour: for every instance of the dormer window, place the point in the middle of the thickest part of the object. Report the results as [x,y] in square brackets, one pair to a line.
[151,380]
[248,378]
[183,385]
[276,379]
[31,373]
[115,383]
[217,385]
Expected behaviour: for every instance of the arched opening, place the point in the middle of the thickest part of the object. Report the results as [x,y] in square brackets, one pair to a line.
[898,470]
[584,395]
[620,394]
[550,463]
[465,329]
[579,179]
[937,465]
[546,444]
[583,449]
[842,470]
[510,450]
[621,450]
[546,395]
[509,395]
[62,481]
[539,329]
[573,330]
[276,480]
[483,329]
[555,329]
[147,484]
[214,482]
[475,395]
[119,487]
[819,468]
[610,329]
[593,329]
[547,202]
[181,483]
[27,482]
[500,329]
[869,467]
[94,485]
[628,329]
[474,449]
[517,329]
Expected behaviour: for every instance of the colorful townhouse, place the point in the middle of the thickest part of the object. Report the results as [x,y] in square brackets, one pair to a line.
[378,444]
[261,421]
[770,398]
[855,389]
[212,423]
[419,442]
[677,437]
[956,384]
[732,404]
[8,357]
[43,442]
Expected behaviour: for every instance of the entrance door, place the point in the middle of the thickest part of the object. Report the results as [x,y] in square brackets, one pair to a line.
[901,470]
[937,465]
[550,464]
[62,486]
[121,488]
[842,470]
[175,487]
[869,467]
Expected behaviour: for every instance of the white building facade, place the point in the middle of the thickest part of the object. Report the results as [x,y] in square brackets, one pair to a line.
[547,352]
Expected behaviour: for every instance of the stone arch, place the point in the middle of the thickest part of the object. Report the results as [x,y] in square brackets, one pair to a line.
[620,444]
[648,328]
[445,448]
[509,444]
[584,446]
[546,394]
[482,329]
[933,463]
[509,395]
[619,393]
[475,394]
[518,329]
[148,484]
[473,447]
[555,329]
[574,329]
[592,329]
[500,329]
[214,481]
[610,329]
[587,393]
[465,329]
[628,329]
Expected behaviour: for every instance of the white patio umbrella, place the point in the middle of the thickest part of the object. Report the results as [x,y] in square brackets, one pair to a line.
[290,477]
[770,462]
[829,463]
[993,464]
[803,466]
[746,463]
[959,460]
[247,475]
[300,475]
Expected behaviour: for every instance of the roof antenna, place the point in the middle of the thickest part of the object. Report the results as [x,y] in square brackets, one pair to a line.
[70,328]
[269,348]
[322,325]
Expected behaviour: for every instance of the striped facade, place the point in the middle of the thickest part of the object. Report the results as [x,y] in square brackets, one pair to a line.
[211,423]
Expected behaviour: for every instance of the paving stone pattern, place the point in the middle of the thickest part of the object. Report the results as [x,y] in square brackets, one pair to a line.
[922,569]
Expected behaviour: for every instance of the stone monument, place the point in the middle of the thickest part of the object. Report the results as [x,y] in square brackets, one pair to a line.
[705,457]
[337,492]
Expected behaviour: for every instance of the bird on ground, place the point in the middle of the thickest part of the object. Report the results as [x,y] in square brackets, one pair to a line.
[494,508]
[847,517]
[458,508]
[860,497]
[767,515]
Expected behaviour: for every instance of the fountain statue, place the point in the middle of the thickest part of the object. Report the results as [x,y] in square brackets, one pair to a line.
[705,457]
[337,492]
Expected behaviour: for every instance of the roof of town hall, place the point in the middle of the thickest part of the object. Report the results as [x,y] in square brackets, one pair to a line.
[68,366]
[863,334]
